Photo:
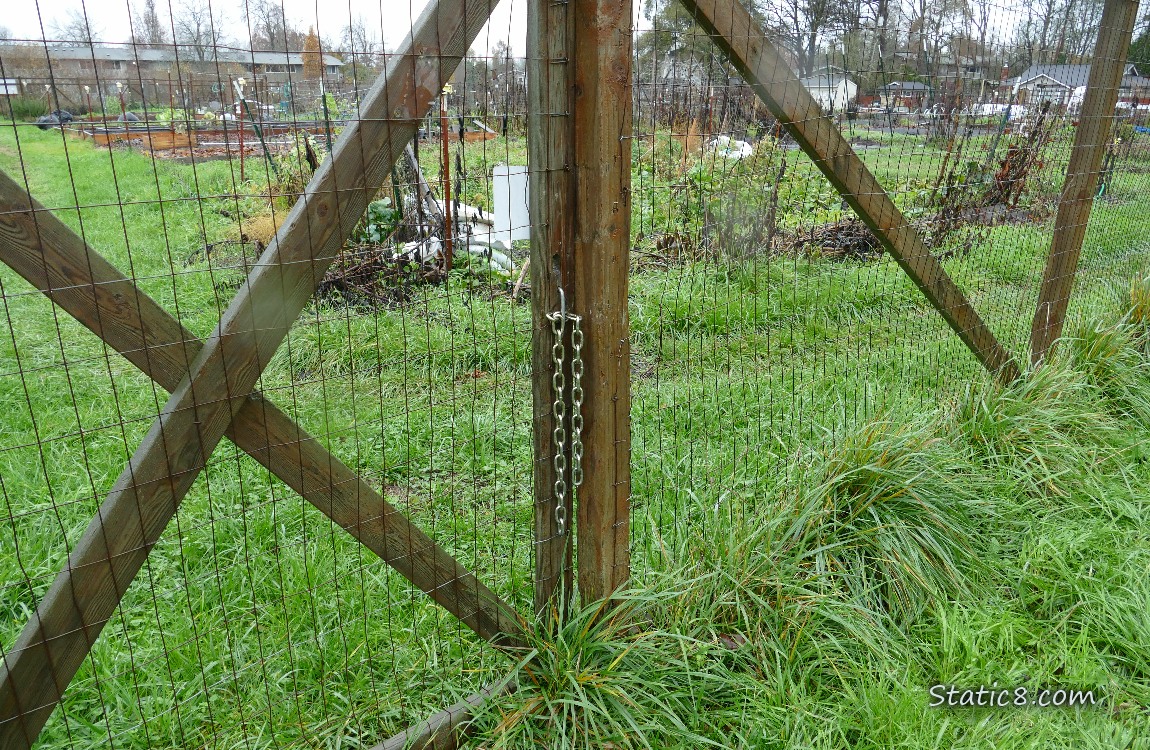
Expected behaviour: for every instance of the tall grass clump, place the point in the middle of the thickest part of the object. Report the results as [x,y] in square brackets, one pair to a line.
[730,637]
[751,584]
[26,108]
[1139,314]
[1109,357]
[1041,433]
[608,676]
[890,512]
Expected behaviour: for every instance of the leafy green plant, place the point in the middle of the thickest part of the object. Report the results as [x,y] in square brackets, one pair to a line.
[295,166]
[380,222]
[177,118]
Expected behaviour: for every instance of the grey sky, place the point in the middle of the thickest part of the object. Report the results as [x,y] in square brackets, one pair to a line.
[389,20]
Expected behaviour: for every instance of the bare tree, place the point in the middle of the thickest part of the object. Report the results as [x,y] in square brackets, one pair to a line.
[269,27]
[147,29]
[199,28]
[358,44]
[804,26]
[75,29]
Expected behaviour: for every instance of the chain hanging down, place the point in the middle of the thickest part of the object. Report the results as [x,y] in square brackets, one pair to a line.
[559,409]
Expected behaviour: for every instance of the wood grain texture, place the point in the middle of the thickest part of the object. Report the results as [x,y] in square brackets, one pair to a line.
[1090,142]
[223,373]
[746,45]
[601,57]
[550,132]
[446,729]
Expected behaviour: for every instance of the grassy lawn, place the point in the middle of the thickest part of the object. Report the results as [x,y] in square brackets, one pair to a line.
[833,509]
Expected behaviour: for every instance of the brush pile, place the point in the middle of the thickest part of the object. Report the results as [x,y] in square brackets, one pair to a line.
[372,276]
[1024,155]
[848,239]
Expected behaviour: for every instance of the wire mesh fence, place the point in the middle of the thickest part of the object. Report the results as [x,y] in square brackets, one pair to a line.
[315,242]
[767,319]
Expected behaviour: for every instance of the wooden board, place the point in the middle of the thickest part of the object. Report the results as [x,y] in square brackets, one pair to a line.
[747,47]
[156,139]
[220,377]
[446,729]
[1090,143]
[551,193]
[601,57]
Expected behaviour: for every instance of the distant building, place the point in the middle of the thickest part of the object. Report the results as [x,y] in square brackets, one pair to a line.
[100,65]
[1057,83]
[911,94]
[831,89]
[77,76]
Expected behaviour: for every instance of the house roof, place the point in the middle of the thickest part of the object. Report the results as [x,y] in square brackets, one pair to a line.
[1073,76]
[906,86]
[824,81]
[132,53]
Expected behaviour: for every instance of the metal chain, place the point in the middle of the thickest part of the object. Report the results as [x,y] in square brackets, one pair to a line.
[558,413]
[576,400]
[559,410]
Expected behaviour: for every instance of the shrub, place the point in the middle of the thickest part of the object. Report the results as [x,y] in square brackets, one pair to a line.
[26,108]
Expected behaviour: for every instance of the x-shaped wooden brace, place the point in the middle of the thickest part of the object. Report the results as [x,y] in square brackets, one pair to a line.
[212,381]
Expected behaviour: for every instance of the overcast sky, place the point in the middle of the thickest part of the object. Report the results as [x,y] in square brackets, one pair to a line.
[389,20]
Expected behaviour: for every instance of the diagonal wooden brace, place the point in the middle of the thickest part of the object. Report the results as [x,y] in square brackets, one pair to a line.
[747,47]
[222,375]
[51,257]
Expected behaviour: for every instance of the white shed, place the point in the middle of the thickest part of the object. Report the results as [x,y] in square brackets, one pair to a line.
[832,91]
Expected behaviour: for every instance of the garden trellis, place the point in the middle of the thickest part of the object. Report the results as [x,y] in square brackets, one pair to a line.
[286,274]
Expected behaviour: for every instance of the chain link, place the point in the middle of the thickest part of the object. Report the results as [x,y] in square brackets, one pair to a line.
[576,400]
[559,410]
[558,414]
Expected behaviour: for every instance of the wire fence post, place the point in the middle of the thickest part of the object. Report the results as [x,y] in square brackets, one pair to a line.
[1090,142]
[602,171]
[550,134]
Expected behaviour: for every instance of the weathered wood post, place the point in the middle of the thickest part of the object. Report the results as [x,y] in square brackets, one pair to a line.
[550,133]
[601,58]
[1094,128]
[580,150]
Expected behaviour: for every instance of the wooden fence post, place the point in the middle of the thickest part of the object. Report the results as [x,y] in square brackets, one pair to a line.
[601,108]
[550,133]
[1094,128]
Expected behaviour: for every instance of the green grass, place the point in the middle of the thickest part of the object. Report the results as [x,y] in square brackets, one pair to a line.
[909,552]
[833,508]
